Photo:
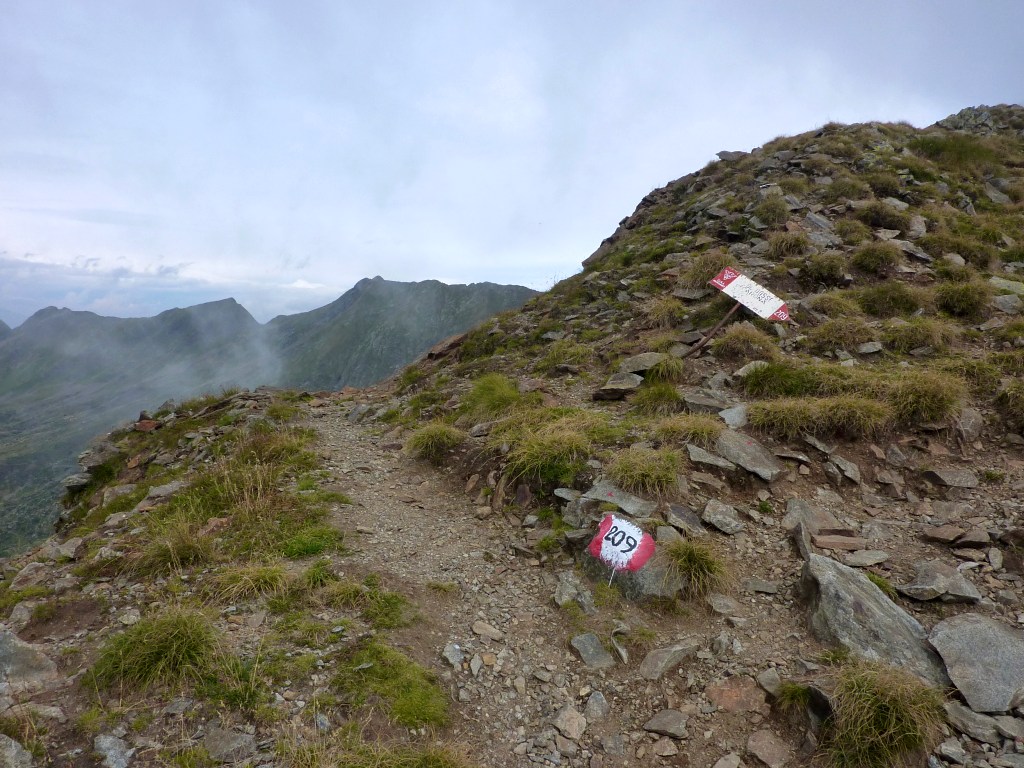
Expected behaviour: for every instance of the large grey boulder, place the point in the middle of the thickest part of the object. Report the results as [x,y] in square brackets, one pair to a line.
[846,609]
[13,755]
[23,667]
[748,453]
[984,659]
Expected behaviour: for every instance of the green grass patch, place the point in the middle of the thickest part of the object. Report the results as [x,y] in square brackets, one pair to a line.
[845,333]
[704,267]
[378,607]
[844,415]
[782,245]
[957,151]
[742,341]
[876,258]
[251,581]
[696,428]
[883,584]
[699,565]
[405,691]
[565,353]
[312,540]
[834,304]
[772,211]
[892,298]
[827,268]
[964,300]
[853,232]
[644,470]
[883,216]
[671,370]
[175,646]
[882,717]
[1011,401]
[491,395]
[919,332]
[657,399]
[435,442]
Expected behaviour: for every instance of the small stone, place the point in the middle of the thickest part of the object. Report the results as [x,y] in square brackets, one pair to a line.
[935,580]
[520,685]
[951,751]
[618,386]
[593,654]
[771,681]
[1010,727]
[722,516]
[952,477]
[115,752]
[665,747]
[228,745]
[865,558]
[769,749]
[723,605]
[31,575]
[984,658]
[668,722]
[980,727]
[729,761]
[663,660]
[943,534]
[597,707]
[761,585]
[846,543]
[569,722]
[483,629]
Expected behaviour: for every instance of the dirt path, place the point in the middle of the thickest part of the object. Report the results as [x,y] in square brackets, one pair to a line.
[417,527]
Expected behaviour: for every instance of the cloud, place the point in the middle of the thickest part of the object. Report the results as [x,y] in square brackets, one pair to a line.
[279,154]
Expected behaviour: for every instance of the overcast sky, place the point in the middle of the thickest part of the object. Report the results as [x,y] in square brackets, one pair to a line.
[163,153]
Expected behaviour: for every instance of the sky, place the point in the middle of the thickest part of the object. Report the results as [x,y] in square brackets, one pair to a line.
[171,152]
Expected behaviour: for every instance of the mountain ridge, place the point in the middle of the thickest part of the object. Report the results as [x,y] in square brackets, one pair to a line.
[65,374]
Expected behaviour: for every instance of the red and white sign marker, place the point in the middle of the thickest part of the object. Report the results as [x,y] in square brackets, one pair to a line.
[621,544]
[754,297]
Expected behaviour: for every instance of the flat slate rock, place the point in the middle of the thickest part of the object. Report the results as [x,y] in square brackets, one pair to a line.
[846,609]
[865,558]
[769,749]
[668,722]
[13,755]
[748,453]
[985,660]
[627,502]
[662,660]
[594,655]
[735,417]
[722,516]
[977,726]
[618,386]
[23,667]
[642,362]
[684,519]
[699,456]
[952,477]
[934,580]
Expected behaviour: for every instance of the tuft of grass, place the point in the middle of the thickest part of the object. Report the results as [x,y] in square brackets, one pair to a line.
[772,211]
[741,341]
[847,415]
[793,697]
[665,312]
[925,396]
[920,332]
[1011,400]
[695,428]
[839,333]
[704,267]
[565,352]
[826,268]
[893,298]
[491,395]
[981,375]
[847,187]
[408,693]
[782,245]
[966,300]
[958,151]
[884,184]
[883,584]
[703,569]
[380,608]
[834,304]
[175,544]
[250,581]
[671,370]
[882,717]
[552,458]
[975,253]
[883,216]
[343,749]
[644,470]
[312,540]
[852,231]
[876,258]
[319,574]
[180,644]
[435,441]
[657,399]
[781,379]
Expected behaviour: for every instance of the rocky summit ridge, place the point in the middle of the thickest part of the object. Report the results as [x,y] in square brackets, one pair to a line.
[402,573]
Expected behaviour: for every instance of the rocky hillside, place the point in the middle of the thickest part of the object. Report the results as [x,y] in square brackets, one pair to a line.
[65,376]
[401,576]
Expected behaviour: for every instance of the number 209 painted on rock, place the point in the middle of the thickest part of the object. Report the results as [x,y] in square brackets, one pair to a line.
[621,544]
